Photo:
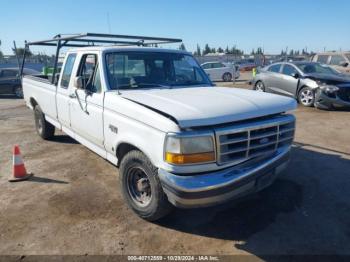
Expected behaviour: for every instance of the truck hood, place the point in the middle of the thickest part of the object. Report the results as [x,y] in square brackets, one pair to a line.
[204,106]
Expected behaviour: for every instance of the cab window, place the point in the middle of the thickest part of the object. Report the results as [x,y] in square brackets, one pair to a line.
[67,71]
[89,73]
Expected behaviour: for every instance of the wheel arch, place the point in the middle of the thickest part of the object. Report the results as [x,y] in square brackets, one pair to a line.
[125,147]
[33,103]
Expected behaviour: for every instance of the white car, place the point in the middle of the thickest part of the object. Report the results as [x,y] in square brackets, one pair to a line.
[176,138]
[218,71]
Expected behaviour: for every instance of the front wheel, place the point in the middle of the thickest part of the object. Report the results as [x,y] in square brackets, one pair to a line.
[306,96]
[227,77]
[44,129]
[141,187]
[259,86]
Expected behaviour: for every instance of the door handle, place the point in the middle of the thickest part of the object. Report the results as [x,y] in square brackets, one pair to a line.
[72,96]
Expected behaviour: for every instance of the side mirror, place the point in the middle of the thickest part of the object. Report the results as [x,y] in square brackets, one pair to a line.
[344,64]
[295,75]
[78,82]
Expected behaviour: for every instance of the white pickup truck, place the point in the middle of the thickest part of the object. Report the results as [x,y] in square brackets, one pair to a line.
[176,138]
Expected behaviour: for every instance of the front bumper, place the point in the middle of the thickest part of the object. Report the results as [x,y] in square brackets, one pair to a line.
[322,100]
[200,190]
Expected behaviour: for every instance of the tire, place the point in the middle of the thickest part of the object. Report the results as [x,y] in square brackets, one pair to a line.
[18,92]
[141,187]
[227,77]
[44,129]
[306,97]
[259,86]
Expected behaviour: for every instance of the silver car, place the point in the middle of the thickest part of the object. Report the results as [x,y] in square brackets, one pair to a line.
[218,71]
[309,82]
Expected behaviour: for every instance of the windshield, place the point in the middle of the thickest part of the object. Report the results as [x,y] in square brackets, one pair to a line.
[316,69]
[129,70]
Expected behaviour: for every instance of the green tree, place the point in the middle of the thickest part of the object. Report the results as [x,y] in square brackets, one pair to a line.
[220,50]
[182,47]
[206,50]
[198,52]
[1,55]
[20,52]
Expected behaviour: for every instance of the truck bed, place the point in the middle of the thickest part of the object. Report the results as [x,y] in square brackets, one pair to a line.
[39,90]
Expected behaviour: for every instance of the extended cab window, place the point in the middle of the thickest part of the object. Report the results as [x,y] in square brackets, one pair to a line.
[67,71]
[89,73]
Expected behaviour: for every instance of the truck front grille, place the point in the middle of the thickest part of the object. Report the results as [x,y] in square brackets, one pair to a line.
[253,139]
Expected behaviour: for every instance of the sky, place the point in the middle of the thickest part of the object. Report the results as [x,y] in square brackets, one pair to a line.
[270,24]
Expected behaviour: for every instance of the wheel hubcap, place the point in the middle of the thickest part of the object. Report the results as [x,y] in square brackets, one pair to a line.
[306,97]
[139,186]
[259,87]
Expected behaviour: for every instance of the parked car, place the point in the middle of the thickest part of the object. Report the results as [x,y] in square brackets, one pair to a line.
[246,64]
[175,137]
[10,82]
[218,71]
[337,60]
[309,82]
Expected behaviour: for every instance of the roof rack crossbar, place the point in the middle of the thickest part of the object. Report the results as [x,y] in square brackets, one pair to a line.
[91,38]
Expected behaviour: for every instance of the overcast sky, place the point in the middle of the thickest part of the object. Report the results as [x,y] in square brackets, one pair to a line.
[273,25]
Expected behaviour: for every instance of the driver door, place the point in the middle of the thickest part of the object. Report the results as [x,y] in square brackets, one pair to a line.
[87,102]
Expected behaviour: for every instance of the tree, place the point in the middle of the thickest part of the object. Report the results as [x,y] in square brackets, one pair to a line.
[227,51]
[206,50]
[20,52]
[182,47]
[1,55]
[220,50]
[252,52]
[198,52]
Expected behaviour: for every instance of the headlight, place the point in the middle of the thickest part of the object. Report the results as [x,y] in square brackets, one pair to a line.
[329,88]
[189,149]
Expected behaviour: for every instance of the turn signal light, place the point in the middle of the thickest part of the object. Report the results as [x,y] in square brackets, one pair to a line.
[179,159]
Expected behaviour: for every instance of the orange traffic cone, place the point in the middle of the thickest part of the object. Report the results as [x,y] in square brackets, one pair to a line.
[19,170]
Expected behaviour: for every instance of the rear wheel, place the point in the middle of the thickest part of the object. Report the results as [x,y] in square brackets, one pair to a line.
[227,77]
[141,187]
[44,129]
[306,96]
[259,86]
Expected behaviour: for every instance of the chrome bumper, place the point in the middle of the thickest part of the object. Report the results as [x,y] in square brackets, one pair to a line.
[207,189]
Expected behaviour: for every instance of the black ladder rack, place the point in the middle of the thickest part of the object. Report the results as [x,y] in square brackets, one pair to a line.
[94,39]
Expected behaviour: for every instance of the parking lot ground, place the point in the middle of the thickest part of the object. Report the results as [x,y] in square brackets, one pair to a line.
[73,204]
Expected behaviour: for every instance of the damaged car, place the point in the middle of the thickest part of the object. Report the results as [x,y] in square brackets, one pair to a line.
[312,84]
